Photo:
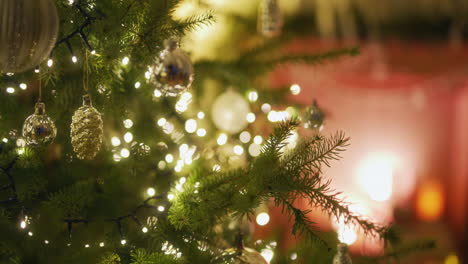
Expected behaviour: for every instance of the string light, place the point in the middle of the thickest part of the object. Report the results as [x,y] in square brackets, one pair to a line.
[128,137]
[222,139]
[161,208]
[161,165]
[128,123]
[238,150]
[250,117]
[267,254]
[263,219]
[293,256]
[117,157]
[169,158]
[253,96]
[157,93]
[191,126]
[30,234]
[125,61]
[125,153]
[74,59]
[201,132]
[46,242]
[93,52]
[37,70]
[258,140]
[23,86]
[144,229]
[10,90]
[86,246]
[115,141]
[254,150]
[5,140]
[170,197]
[201,115]
[123,241]
[137,85]
[151,191]
[101,244]
[295,89]
[50,63]
[266,108]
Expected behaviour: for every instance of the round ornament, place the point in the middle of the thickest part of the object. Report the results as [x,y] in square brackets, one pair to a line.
[39,129]
[243,256]
[28,32]
[86,130]
[270,18]
[172,73]
[229,112]
[314,117]
[342,256]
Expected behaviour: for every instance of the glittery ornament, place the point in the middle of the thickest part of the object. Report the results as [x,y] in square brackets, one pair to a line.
[28,32]
[342,256]
[229,112]
[86,130]
[314,117]
[172,73]
[39,129]
[270,18]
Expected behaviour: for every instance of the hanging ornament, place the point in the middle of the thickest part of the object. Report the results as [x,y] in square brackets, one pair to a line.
[39,129]
[28,32]
[229,112]
[342,256]
[241,254]
[314,117]
[86,130]
[270,18]
[172,73]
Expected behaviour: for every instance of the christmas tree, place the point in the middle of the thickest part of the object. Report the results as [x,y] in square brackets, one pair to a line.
[138,151]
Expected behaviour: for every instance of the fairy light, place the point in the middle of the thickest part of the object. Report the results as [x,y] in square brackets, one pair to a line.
[183,180]
[21,143]
[123,242]
[191,126]
[115,141]
[151,191]
[183,103]
[125,61]
[70,2]
[128,123]
[267,254]
[20,151]
[168,128]
[253,96]
[93,52]
[254,150]
[37,70]
[162,121]
[295,89]
[169,158]
[216,167]
[201,115]
[5,140]
[101,244]
[147,75]
[74,59]
[137,85]
[238,150]
[222,139]
[10,90]
[50,63]
[157,93]
[258,140]
[30,234]
[86,246]
[117,157]
[161,208]
[201,132]
[125,153]
[144,229]
[46,242]
[23,86]
[263,219]
[250,117]
[162,165]
[293,256]
[128,137]
[266,108]
[170,197]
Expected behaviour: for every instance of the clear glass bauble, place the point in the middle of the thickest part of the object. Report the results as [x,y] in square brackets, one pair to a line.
[172,73]
[242,256]
[39,129]
[314,117]
[229,112]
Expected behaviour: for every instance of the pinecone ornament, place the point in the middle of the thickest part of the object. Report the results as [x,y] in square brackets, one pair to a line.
[342,256]
[86,130]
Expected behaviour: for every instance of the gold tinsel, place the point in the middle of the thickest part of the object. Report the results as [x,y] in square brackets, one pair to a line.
[86,130]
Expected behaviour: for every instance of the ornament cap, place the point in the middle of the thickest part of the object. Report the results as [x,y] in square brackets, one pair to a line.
[39,108]
[171,44]
[87,100]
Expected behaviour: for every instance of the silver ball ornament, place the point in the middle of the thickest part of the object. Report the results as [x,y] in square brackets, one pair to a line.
[39,129]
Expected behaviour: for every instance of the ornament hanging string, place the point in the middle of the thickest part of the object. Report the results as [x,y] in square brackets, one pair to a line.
[86,73]
[39,100]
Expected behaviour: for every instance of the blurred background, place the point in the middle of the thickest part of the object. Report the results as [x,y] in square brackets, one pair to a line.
[403,101]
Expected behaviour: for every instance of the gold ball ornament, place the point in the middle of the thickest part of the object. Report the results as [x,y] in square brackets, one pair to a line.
[172,73]
[28,32]
[86,130]
[342,256]
[229,112]
[243,256]
[270,18]
[39,129]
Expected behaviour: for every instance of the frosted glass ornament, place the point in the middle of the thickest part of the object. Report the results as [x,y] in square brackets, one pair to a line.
[229,112]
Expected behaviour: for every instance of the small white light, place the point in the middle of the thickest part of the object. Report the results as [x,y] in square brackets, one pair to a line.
[250,117]
[23,224]
[37,70]
[10,90]
[70,2]
[295,89]
[222,139]
[151,191]
[86,246]
[254,150]
[161,208]
[125,153]
[253,96]
[263,219]
[201,115]
[125,60]
[169,158]
[93,52]
[5,140]
[216,167]
[267,254]
[30,234]
[101,244]
[162,121]
[170,197]
[23,86]
[245,137]
[128,123]
[266,108]
[293,256]
[137,85]
[20,151]
[162,165]
[238,150]
[123,241]
[201,132]
[115,141]
[46,242]
[128,137]
[191,126]
[258,140]
[183,180]
[147,75]
[50,63]
[144,229]
[74,59]
[157,93]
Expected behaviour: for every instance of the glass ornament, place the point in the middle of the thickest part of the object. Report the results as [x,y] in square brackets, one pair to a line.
[314,117]
[172,73]
[39,129]
[270,18]
[229,112]
[342,256]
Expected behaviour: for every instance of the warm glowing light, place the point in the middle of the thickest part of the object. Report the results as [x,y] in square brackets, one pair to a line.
[30,234]
[86,246]
[151,191]
[201,115]
[376,176]
[430,201]
[266,108]
[128,137]
[267,254]
[222,139]
[250,117]
[23,224]
[254,150]
[293,256]
[162,121]
[295,89]
[258,140]
[10,90]
[263,219]
[50,63]
[346,234]
[157,93]
[74,59]
[191,126]
[216,167]
[452,259]
[137,85]
[23,86]
[161,208]
[117,157]
[128,123]
[5,140]
[125,60]
[238,150]
[245,137]
[169,158]
[201,132]
[115,141]
[144,229]
[101,244]
[123,241]
[253,96]
[278,116]
[46,242]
